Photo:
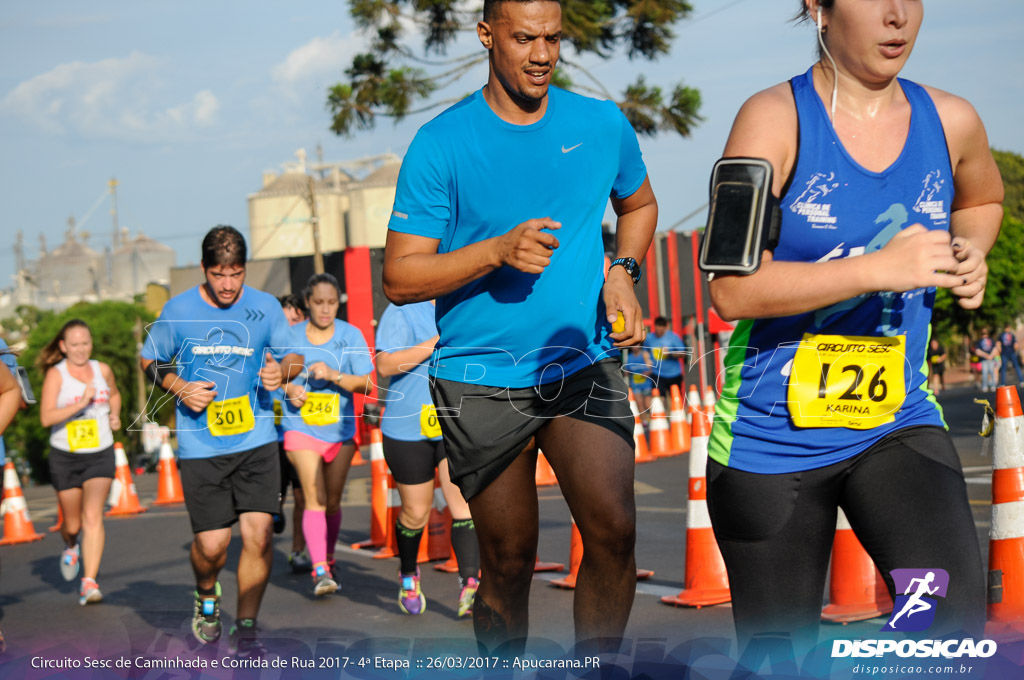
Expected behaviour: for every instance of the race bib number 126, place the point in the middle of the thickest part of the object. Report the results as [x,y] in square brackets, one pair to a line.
[847,381]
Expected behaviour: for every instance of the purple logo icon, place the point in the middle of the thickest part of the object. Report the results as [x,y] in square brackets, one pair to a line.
[914,608]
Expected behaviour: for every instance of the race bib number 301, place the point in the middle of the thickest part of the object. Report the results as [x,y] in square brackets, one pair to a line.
[231,416]
[847,381]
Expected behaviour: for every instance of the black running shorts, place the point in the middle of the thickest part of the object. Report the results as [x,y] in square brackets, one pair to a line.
[71,470]
[219,489]
[413,462]
[485,428]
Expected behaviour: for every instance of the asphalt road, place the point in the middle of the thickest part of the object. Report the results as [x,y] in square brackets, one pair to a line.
[147,585]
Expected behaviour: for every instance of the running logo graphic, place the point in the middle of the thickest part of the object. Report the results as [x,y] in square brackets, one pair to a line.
[930,201]
[914,610]
[819,215]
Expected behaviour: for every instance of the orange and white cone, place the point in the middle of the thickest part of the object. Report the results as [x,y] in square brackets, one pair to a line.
[679,426]
[709,401]
[576,558]
[856,589]
[168,490]
[378,493]
[124,498]
[545,474]
[660,435]
[394,505]
[1006,537]
[17,524]
[706,582]
[641,453]
[632,404]
[692,403]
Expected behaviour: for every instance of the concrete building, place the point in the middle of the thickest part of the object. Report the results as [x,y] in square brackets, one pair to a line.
[353,201]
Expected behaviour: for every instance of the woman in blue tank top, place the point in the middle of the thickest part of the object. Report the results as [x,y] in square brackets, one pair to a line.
[888,191]
[319,420]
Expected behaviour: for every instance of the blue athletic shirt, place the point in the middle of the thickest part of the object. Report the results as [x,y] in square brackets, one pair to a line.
[664,366]
[12,363]
[639,375]
[469,176]
[836,208]
[409,414]
[328,414]
[226,347]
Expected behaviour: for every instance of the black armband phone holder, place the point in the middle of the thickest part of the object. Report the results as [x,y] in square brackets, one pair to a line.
[743,219]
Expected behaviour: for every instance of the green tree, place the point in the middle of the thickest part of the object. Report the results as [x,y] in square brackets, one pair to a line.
[112,325]
[1004,292]
[393,80]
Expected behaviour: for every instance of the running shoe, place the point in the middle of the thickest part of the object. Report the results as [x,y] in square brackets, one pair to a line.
[243,640]
[206,625]
[467,595]
[69,563]
[335,569]
[323,584]
[300,563]
[410,597]
[89,592]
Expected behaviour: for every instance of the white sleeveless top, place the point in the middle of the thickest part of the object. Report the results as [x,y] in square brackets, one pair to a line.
[88,431]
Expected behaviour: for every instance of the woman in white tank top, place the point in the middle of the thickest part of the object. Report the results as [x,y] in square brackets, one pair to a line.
[81,405]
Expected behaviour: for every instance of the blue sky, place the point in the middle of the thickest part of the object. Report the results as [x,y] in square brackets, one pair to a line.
[187,102]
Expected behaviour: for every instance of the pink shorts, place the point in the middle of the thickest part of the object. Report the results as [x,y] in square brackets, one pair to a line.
[299,441]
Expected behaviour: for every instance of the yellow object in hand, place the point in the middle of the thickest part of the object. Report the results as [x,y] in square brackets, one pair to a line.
[620,323]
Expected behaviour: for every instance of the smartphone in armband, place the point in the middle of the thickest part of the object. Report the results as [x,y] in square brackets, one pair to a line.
[21,375]
[743,219]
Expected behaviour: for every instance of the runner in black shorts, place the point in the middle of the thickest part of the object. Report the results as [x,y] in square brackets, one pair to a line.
[413,448]
[216,348]
[888,191]
[81,405]
[10,402]
[497,216]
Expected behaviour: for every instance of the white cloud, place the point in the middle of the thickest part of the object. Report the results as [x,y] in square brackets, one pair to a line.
[318,59]
[121,98]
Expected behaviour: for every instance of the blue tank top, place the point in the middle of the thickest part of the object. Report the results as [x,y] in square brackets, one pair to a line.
[329,412]
[812,389]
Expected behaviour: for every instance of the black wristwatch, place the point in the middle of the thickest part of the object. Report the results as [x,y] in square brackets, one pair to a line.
[631,266]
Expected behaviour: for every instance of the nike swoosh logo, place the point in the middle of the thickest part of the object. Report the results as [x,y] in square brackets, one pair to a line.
[564,150]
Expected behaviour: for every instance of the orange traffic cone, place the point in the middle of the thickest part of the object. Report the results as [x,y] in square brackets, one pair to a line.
[124,499]
[706,581]
[545,474]
[378,493]
[168,490]
[692,403]
[394,505]
[60,519]
[632,403]
[17,525]
[660,443]
[357,459]
[709,400]
[856,589]
[679,427]
[437,543]
[1006,542]
[576,557]
[641,453]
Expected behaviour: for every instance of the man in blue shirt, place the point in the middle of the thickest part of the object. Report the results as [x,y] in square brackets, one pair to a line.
[498,216]
[215,347]
[667,349]
[1008,353]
